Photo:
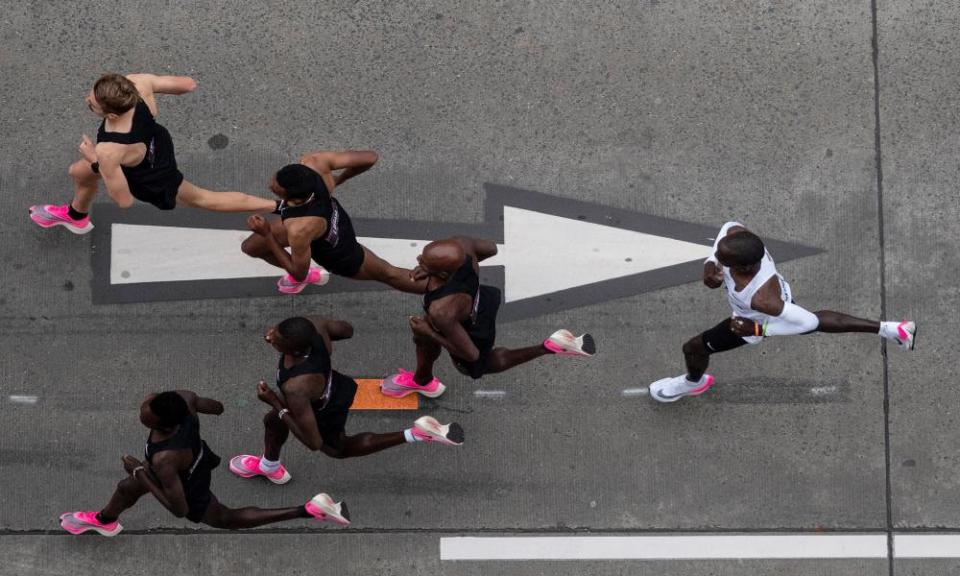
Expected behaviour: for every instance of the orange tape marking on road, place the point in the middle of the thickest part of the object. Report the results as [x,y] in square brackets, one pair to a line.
[369,397]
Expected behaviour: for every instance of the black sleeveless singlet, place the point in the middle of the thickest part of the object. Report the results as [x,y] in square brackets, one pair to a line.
[337,250]
[155,179]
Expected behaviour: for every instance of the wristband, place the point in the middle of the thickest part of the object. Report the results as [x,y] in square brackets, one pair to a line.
[756,329]
[95,166]
[282,412]
[135,470]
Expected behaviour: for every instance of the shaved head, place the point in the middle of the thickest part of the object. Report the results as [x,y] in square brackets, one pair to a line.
[443,256]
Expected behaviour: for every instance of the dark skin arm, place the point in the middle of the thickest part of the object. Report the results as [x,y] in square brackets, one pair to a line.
[332,329]
[200,404]
[443,327]
[482,249]
[300,233]
[300,419]
[351,162]
[162,478]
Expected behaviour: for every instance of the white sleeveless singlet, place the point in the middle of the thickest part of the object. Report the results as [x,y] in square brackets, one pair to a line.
[740,301]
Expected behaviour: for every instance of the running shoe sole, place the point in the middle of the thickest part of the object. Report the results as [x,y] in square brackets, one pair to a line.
[450,434]
[583,345]
[330,510]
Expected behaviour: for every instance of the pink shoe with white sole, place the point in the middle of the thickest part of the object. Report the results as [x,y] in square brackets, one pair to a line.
[80,522]
[564,343]
[289,285]
[428,429]
[248,466]
[323,508]
[402,384]
[48,216]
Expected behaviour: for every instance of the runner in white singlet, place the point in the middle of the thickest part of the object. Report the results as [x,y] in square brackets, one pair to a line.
[762,305]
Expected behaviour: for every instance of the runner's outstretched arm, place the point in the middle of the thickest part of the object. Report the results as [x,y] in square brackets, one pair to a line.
[335,329]
[352,162]
[175,85]
[200,404]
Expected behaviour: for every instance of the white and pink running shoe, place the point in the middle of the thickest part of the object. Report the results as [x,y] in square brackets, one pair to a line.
[289,285]
[248,466]
[80,522]
[48,216]
[428,429]
[673,389]
[564,343]
[323,508]
[401,384]
[903,333]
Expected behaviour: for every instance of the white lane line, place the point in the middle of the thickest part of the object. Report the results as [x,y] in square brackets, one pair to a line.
[633,392]
[693,547]
[495,394]
[926,545]
[18,399]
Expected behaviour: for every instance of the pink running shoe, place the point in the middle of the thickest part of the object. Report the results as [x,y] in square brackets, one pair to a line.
[323,508]
[428,429]
[402,384]
[80,522]
[906,335]
[248,466]
[48,216]
[289,285]
[564,343]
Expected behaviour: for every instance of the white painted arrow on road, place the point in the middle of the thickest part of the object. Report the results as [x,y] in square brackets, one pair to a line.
[541,253]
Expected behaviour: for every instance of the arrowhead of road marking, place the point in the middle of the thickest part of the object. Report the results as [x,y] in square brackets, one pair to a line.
[544,253]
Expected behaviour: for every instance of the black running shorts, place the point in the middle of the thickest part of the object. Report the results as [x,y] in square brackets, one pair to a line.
[483,333]
[196,486]
[332,418]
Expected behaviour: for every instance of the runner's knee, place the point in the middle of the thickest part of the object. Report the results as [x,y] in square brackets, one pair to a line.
[252,246]
[80,170]
[272,422]
[129,487]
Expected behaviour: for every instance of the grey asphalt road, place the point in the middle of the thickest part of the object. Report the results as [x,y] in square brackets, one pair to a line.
[762,111]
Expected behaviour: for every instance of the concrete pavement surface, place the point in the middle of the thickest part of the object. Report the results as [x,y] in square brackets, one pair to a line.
[767,112]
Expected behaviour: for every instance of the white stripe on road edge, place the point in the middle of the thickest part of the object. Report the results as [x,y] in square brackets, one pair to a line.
[926,545]
[701,547]
[17,399]
[696,547]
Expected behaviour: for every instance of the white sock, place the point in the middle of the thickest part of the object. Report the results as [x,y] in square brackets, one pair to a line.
[409,435]
[268,466]
[889,330]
